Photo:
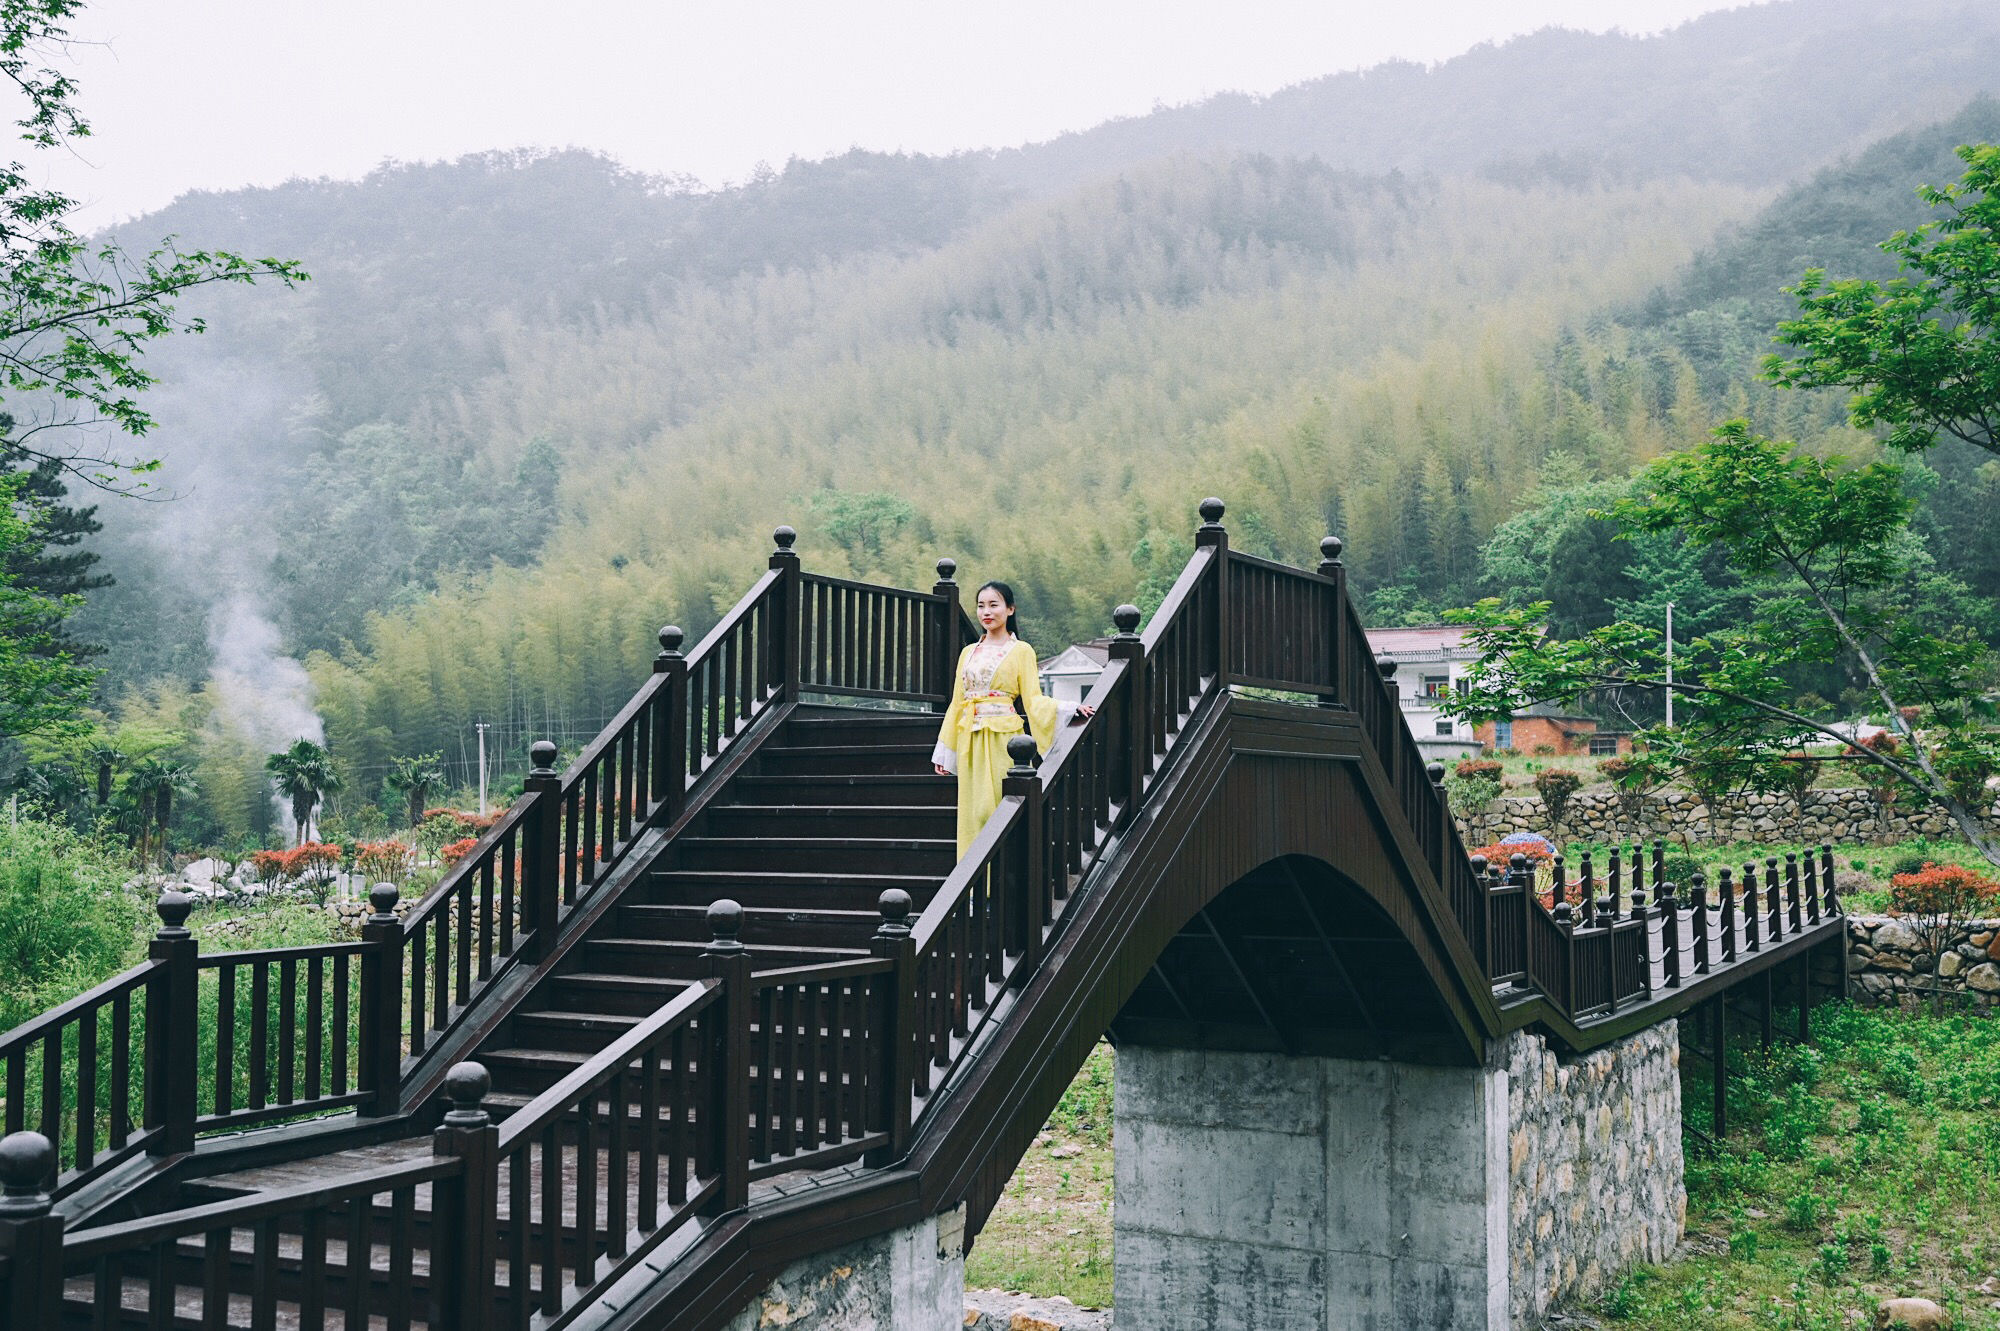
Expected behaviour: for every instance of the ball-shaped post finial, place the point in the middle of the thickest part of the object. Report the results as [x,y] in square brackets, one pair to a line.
[27,1161]
[466,1085]
[542,754]
[947,569]
[1211,510]
[1329,549]
[895,905]
[1435,771]
[173,908]
[1126,618]
[783,537]
[1021,748]
[671,638]
[725,922]
[1385,666]
[382,899]
[1478,866]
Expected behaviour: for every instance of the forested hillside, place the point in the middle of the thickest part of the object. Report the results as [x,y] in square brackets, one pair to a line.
[532,406]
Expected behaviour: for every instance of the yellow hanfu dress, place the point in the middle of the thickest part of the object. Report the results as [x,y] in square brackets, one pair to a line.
[973,740]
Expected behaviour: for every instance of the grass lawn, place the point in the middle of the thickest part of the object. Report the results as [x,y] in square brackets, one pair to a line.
[1865,1166]
[1051,1232]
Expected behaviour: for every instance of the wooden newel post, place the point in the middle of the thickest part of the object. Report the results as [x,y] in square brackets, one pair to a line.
[729,962]
[172,1026]
[1670,937]
[1137,741]
[1698,919]
[1826,878]
[1331,567]
[1794,907]
[31,1233]
[1028,908]
[945,643]
[381,1071]
[1774,899]
[1212,533]
[1486,907]
[670,725]
[895,1018]
[1728,890]
[541,850]
[785,633]
[465,1210]
[1752,907]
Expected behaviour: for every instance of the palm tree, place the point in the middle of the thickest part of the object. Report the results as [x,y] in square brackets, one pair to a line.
[152,786]
[305,775]
[417,777]
[107,759]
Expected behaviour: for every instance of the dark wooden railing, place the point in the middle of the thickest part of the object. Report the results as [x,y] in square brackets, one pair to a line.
[741,1076]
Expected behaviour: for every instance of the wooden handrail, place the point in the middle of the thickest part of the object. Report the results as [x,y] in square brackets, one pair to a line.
[1183,588]
[730,622]
[872,588]
[35,1027]
[303,952]
[468,864]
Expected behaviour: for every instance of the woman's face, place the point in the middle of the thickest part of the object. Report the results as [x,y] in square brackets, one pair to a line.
[992,610]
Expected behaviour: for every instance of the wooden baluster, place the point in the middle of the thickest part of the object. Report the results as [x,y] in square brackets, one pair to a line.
[379,1073]
[1794,906]
[225,1035]
[1699,920]
[171,1028]
[1133,738]
[1213,535]
[1774,899]
[465,1209]
[728,1108]
[1023,902]
[669,756]
[894,1017]
[31,1233]
[1727,896]
[1752,908]
[541,850]
[315,1026]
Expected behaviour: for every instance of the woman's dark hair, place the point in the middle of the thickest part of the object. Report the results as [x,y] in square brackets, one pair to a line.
[1006,599]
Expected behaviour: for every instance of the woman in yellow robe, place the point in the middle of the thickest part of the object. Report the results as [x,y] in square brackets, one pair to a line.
[972,743]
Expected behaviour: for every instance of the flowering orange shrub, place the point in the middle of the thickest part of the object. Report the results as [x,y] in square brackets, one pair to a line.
[268,865]
[388,860]
[1501,853]
[457,850]
[1947,890]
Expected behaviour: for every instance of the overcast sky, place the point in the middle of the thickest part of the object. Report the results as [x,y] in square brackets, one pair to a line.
[217,94]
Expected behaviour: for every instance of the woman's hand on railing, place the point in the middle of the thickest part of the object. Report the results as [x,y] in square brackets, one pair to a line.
[940,769]
[1084,711]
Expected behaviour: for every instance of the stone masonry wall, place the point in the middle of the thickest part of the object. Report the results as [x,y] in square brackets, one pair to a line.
[1889,959]
[1845,816]
[1595,1183]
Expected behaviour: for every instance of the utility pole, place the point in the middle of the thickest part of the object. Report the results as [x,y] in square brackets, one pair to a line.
[480,726]
[1670,675]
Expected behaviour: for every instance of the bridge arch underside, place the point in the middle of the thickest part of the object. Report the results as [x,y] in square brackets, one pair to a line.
[1295,957]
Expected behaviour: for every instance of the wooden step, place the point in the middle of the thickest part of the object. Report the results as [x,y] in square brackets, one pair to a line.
[762,925]
[576,1032]
[845,759]
[767,790]
[668,956]
[836,820]
[797,891]
[856,852]
[608,992]
[880,728]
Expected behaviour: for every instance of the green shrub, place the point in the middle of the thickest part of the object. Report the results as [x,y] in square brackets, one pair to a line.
[66,920]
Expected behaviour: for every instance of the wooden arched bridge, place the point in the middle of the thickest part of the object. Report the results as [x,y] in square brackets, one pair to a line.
[717,996]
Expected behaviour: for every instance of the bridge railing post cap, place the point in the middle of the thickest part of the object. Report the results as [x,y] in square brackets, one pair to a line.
[542,753]
[382,899]
[947,569]
[784,536]
[27,1159]
[1385,666]
[466,1085]
[1517,860]
[1330,548]
[1479,864]
[1211,510]
[671,638]
[895,904]
[725,921]
[173,908]
[1021,748]
[1126,618]
[1435,771]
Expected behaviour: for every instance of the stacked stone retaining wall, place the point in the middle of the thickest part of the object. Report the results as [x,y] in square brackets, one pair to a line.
[1891,958]
[1845,816]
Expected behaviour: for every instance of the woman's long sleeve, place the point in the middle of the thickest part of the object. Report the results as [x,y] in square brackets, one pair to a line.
[945,752]
[1044,714]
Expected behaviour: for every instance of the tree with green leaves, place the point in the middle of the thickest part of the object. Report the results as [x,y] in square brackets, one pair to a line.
[42,687]
[1825,552]
[305,776]
[1921,351]
[416,777]
[152,784]
[75,314]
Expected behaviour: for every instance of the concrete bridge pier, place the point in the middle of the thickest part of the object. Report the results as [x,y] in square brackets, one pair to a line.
[1265,1192]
